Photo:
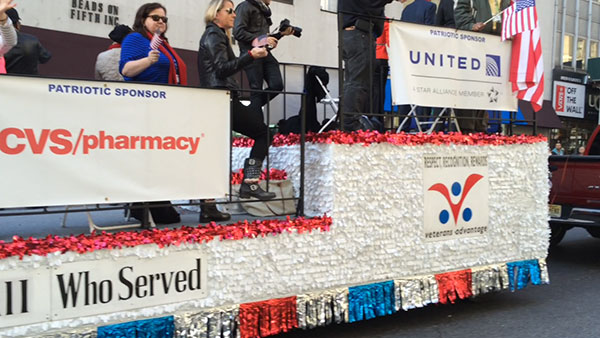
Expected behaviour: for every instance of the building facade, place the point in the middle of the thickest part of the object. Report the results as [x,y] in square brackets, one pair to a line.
[575,94]
[75,31]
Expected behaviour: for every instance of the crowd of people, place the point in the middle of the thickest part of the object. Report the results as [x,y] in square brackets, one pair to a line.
[144,60]
[364,40]
[142,53]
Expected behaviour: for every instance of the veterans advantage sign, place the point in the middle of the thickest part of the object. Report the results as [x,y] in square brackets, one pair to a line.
[456,190]
[441,67]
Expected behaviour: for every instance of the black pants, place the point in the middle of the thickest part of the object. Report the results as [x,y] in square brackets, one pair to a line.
[380,76]
[264,70]
[358,54]
[249,120]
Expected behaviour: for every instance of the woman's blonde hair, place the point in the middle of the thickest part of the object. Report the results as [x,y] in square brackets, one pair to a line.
[213,7]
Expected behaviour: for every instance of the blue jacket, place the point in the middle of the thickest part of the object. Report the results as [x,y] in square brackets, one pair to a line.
[135,47]
[420,11]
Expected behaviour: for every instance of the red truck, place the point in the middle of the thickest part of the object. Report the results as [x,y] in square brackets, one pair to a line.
[575,193]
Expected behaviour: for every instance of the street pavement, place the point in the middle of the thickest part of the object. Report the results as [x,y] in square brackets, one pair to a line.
[567,307]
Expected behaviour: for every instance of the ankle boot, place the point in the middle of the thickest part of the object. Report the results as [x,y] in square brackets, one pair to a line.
[250,187]
[210,213]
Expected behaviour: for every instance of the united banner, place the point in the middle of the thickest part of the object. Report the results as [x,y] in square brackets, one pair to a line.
[68,142]
[441,67]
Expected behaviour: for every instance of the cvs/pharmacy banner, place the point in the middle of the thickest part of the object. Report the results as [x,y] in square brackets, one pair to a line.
[441,67]
[66,142]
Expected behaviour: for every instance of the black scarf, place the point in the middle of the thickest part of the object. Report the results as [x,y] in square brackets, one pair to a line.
[265,10]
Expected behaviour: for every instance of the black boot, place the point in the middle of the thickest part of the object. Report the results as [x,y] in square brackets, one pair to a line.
[250,187]
[210,213]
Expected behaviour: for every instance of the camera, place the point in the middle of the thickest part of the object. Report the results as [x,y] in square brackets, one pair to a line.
[285,24]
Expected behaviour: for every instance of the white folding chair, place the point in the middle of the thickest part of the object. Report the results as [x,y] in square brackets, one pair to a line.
[329,101]
[93,226]
[412,113]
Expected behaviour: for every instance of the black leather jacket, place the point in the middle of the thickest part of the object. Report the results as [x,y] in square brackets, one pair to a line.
[362,9]
[216,62]
[250,23]
[26,55]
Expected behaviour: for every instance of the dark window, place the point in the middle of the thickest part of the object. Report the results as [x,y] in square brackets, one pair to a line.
[595,148]
[291,2]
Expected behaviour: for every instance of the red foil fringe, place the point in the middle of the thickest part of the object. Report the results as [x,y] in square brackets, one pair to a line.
[81,244]
[274,174]
[401,139]
[454,285]
[271,317]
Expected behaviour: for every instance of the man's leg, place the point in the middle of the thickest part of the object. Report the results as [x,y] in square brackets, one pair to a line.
[255,73]
[357,53]
[379,81]
[272,75]
[481,124]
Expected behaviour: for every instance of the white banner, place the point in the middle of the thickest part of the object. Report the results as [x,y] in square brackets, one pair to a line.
[442,67]
[569,99]
[91,288]
[24,297]
[456,190]
[66,142]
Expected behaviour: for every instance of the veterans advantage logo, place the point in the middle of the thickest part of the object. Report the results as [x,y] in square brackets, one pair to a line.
[456,190]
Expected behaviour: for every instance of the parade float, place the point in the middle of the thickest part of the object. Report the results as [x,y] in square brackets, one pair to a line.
[398,222]
[392,222]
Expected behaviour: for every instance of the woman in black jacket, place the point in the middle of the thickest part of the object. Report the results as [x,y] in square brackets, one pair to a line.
[216,65]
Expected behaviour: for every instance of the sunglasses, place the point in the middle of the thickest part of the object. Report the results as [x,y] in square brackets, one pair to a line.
[228,10]
[158,17]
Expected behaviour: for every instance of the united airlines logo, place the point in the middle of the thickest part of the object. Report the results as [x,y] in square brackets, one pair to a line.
[458,191]
[492,65]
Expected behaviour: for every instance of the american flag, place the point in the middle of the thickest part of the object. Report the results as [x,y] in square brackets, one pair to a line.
[527,63]
[519,17]
[260,41]
[156,41]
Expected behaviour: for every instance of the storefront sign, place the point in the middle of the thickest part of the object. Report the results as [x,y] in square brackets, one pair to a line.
[97,287]
[456,191]
[592,104]
[569,99]
[443,67]
[568,76]
[97,12]
[84,142]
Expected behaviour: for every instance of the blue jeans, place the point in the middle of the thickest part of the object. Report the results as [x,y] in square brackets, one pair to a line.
[264,70]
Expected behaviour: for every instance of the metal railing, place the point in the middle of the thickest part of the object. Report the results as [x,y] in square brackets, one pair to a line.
[285,98]
[511,121]
[147,222]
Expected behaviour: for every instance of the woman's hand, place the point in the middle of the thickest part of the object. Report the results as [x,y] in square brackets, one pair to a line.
[288,31]
[134,68]
[4,6]
[272,42]
[153,56]
[259,52]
